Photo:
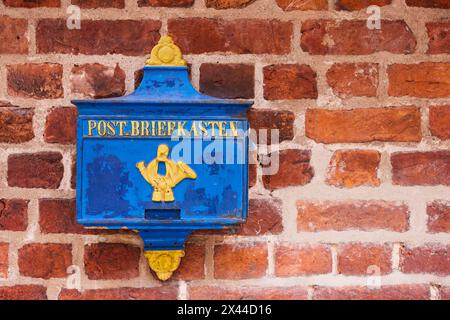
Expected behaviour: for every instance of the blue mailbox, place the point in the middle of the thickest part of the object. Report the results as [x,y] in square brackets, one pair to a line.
[163,161]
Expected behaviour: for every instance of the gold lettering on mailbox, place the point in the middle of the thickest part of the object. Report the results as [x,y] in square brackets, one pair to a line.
[175,173]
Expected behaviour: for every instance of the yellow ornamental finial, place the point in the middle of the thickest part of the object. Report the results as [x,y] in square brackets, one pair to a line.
[165,53]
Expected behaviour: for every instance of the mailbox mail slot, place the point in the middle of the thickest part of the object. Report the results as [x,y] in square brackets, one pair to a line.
[164,160]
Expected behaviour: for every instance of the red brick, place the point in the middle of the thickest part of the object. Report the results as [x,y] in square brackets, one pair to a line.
[421,168]
[94,4]
[97,81]
[33,3]
[228,4]
[267,119]
[16,124]
[294,169]
[439,121]
[23,292]
[247,293]
[400,124]
[289,5]
[354,168]
[227,80]
[289,81]
[13,33]
[156,293]
[4,251]
[352,5]
[439,35]
[423,80]
[13,214]
[127,37]
[353,79]
[35,80]
[192,265]
[359,258]
[240,261]
[445,293]
[352,215]
[433,259]
[442,4]
[45,260]
[165,3]
[35,170]
[61,126]
[111,261]
[245,36]
[295,260]
[391,292]
[352,37]
[438,216]
[264,217]
[252,175]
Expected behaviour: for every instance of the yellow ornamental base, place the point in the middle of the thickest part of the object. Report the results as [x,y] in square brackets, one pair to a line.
[164,262]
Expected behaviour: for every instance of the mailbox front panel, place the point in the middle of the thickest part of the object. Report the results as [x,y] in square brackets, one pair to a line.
[114,189]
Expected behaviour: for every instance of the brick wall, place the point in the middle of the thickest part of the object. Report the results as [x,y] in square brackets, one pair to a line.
[364,120]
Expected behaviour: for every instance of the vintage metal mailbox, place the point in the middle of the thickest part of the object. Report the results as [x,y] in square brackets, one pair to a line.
[164,160]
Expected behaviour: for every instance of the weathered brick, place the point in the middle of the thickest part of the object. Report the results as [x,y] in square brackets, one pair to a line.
[294,169]
[438,216]
[61,126]
[240,261]
[352,215]
[4,251]
[439,121]
[97,81]
[73,173]
[35,80]
[228,4]
[352,5]
[423,80]
[245,36]
[227,80]
[264,217]
[58,216]
[94,4]
[32,3]
[252,174]
[421,168]
[353,79]
[360,259]
[354,168]
[400,124]
[439,35]
[433,259]
[441,4]
[193,263]
[289,5]
[16,124]
[165,3]
[295,260]
[289,81]
[111,261]
[444,293]
[205,292]
[35,170]
[156,293]
[23,292]
[13,33]
[127,37]
[267,119]
[45,260]
[352,37]
[388,292]
[13,214]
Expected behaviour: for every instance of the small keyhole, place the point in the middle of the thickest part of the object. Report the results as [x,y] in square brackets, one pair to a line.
[161,168]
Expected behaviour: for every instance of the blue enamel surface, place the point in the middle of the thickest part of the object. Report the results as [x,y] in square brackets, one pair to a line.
[112,193]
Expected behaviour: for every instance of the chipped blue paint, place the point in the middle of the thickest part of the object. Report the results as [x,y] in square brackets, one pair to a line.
[110,189]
